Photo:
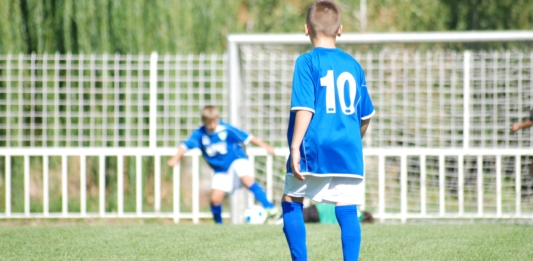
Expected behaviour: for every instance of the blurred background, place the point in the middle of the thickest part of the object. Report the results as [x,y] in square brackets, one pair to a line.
[201,26]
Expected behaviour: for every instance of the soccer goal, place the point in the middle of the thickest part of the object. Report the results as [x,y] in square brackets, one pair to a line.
[439,145]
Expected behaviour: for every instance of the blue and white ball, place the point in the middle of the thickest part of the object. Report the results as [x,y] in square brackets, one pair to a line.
[255,215]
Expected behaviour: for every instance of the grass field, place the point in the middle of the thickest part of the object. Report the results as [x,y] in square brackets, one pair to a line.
[261,242]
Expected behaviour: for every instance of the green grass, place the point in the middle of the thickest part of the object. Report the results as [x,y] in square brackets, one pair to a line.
[263,242]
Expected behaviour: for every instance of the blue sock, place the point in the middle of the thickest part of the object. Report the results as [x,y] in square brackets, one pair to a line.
[260,195]
[294,229]
[350,231]
[217,213]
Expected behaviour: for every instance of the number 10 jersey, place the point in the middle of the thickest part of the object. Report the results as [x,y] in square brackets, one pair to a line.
[331,84]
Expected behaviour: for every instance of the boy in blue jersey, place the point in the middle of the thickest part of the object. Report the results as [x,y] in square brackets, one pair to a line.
[221,145]
[330,112]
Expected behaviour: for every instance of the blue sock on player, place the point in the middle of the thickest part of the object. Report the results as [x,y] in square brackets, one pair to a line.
[260,195]
[350,231]
[294,229]
[217,213]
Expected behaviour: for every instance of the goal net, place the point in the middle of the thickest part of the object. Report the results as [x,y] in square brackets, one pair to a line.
[425,98]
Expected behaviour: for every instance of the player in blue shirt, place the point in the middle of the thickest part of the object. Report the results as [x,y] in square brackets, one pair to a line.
[330,112]
[222,147]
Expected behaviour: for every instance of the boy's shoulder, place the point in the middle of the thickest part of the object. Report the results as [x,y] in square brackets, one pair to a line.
[332,53]
[225,125]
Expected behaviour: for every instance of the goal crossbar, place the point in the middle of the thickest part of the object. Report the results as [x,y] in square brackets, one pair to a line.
[407,37]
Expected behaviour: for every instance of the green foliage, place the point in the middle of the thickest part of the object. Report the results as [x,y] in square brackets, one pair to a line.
[168,26]
[406,16]
[489,15]
[262,242]
[11,29]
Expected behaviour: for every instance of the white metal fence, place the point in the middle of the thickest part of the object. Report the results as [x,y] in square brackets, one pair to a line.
[391,193]
[106,100]
[153,101]
[428,104]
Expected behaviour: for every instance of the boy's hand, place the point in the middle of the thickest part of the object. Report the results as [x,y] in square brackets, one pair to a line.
[515,127]
[270,151]
[172,162]
[295,165]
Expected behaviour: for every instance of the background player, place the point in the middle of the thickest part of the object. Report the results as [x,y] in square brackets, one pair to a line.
[330,112]
[525,124]
[222,147]
[527,182]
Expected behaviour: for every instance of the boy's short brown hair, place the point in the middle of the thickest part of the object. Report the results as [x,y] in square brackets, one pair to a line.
[323,18]
[210,112]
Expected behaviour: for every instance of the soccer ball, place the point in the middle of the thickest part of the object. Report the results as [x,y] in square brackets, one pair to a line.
[359,214]
[255,215]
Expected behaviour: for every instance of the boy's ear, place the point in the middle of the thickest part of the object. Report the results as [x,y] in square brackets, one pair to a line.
[339,32]
[306,27]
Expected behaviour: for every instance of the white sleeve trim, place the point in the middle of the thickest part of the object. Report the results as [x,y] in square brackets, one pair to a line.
[302,109]
[184,146]
[247,140]
[369,115]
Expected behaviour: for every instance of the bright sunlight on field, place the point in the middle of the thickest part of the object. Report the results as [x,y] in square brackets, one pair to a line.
[262,242]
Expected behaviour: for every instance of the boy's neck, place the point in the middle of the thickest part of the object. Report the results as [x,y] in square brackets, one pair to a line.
[325,42]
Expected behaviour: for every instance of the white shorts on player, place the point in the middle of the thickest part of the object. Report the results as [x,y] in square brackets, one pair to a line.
[326,189]
[231,180]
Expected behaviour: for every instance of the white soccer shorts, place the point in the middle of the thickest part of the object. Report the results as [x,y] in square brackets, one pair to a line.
[326,189]
[231,180]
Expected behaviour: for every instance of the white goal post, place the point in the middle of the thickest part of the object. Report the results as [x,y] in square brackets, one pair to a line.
[435,99]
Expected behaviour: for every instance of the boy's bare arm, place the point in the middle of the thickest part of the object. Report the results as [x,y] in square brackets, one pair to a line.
[364,126]
[301,123]
[172,162]
[258,142]
[525,124]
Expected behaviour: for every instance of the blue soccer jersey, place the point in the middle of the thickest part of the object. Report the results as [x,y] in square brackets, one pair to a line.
[220,147]
[331,84]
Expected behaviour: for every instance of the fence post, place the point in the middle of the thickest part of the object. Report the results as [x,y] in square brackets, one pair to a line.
[83,185]
[460,184]
[466,127]
[157,184]
[20,98]
[8,185]
[480,185]
[8,103]
[27,185]
[46,165]
[239,197]
[120,185]
[498,186]
[64,184]
[466,99]
[101,185]
[403,188]
[176,192]
[381,187]
[138,185]
[196,189]
[153,130]
[423,192]
[442,173]
[153,100]
[518,184]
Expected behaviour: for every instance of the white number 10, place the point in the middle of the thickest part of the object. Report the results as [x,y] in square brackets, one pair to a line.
[328,81]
